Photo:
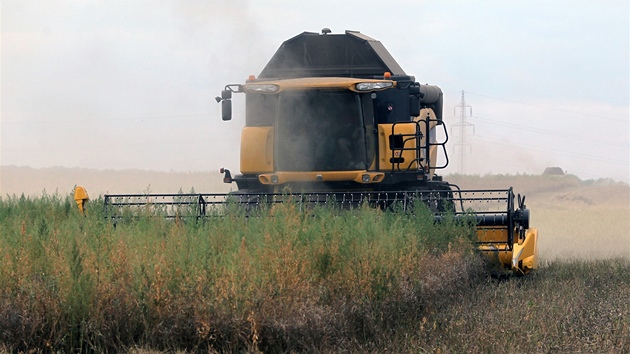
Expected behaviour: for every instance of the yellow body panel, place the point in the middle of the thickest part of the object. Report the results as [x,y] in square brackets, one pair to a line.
[320,176]
[492,234]
[81,198]
[386,153]
[498,252]
[524,254]
[427,113]
[257,150]
[409,157]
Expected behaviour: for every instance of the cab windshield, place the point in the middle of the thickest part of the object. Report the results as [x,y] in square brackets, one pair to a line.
[320,130]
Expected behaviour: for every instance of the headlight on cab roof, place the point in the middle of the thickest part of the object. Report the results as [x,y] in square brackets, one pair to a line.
[372,86]
[262,88]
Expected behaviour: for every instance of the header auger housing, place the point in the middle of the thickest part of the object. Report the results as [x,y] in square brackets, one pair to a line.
[334,118]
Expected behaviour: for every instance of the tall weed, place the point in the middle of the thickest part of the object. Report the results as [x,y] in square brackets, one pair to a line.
[287,280]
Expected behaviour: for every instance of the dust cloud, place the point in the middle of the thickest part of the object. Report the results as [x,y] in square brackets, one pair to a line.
[60,180]
[131,86]
[576,219]
[90,86]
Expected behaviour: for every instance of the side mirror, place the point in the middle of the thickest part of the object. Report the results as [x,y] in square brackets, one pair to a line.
[226,104]
[226,109]
[226,94]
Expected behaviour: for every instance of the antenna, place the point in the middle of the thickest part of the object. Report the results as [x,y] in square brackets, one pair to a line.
[461,144]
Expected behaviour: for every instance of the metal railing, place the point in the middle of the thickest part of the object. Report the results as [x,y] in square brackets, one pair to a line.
[490,206]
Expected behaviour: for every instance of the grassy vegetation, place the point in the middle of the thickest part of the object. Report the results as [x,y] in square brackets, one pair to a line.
[566,306]
[362,281]
[290,281]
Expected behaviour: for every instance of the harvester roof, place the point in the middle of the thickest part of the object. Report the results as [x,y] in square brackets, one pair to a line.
[351,54]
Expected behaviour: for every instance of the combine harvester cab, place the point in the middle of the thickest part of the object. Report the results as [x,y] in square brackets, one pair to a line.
[336,113]
[333,118]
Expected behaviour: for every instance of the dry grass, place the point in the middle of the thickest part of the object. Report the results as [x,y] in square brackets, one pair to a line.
[565,307]
[356,282]
[292,281]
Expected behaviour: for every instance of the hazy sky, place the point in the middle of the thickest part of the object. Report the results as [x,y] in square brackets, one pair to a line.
[131,84]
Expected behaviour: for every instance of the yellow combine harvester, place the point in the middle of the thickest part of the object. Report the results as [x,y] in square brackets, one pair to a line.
[334,118]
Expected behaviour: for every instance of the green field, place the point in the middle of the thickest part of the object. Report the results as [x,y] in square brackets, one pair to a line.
[323,281]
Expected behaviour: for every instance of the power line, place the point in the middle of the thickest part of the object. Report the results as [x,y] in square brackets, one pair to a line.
[461,144]
[549,132]
[549,107]
[489,140]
